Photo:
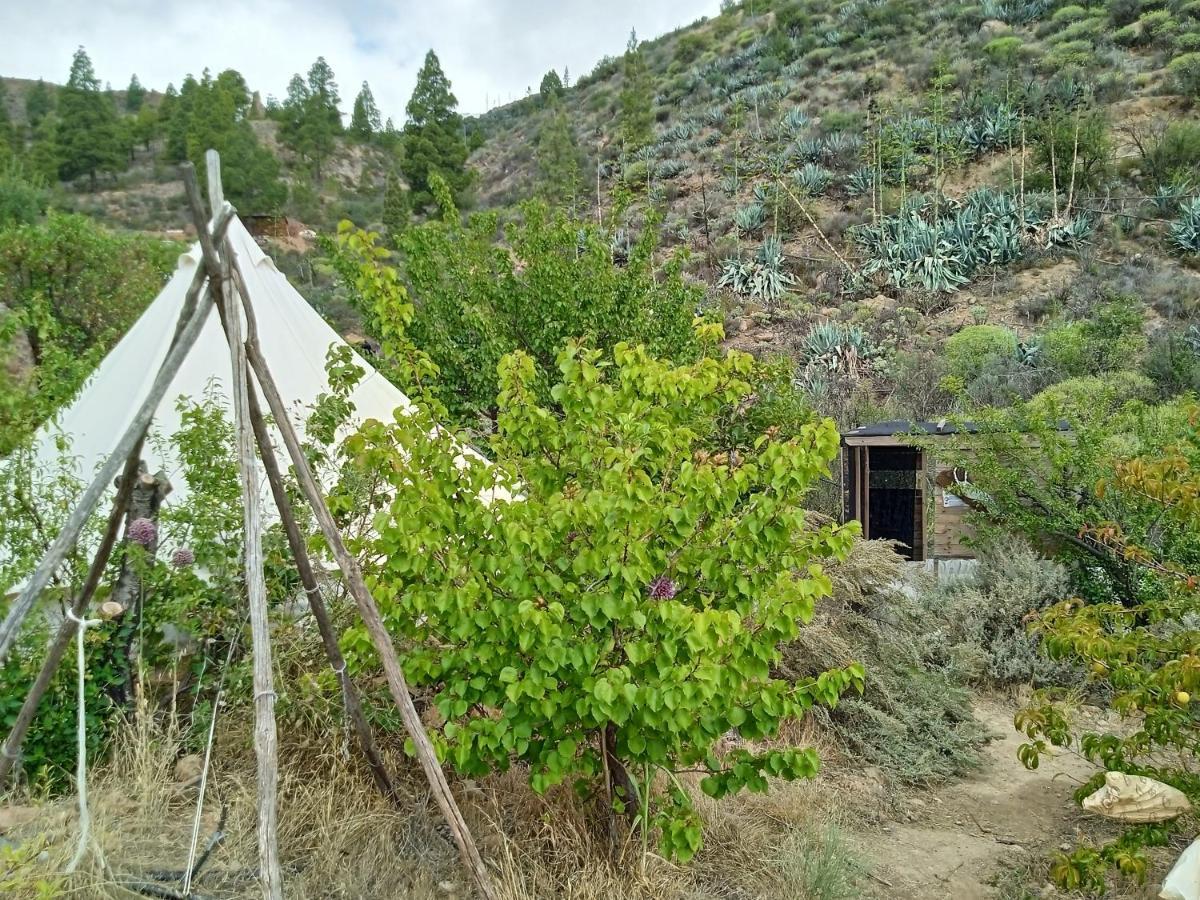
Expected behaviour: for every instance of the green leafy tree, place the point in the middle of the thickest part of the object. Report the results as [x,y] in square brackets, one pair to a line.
[365,121]
[71,289]
[176,111]
[615,623]
[39,103]
[558,158]
[135,95]
[551,279]
[433,137]
[637,115]
[87,133]
[217,118]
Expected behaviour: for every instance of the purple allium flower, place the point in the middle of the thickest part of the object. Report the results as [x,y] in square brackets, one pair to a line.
[142,531]
[182,558]
[663,588]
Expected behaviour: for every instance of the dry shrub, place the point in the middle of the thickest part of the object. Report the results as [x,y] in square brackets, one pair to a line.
[914,719]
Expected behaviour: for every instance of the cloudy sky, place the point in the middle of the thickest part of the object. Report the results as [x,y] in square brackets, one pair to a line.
[492,50]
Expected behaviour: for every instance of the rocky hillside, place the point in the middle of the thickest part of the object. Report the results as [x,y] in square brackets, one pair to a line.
[898,171]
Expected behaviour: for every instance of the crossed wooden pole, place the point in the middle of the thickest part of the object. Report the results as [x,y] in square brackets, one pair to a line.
[221,280]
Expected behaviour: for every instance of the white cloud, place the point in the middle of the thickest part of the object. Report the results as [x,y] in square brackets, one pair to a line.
[491,51]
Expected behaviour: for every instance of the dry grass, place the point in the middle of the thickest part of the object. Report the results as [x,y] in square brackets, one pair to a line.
[339,839]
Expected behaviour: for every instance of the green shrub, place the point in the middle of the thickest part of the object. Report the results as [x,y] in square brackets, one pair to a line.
[1004,50]
[913,719]
[1173,364]
[616,624]
[1128,35]
[983,619]
[1109,340]
[23,196]
[1088,394]
[1175,156]
[1124,12]
[976,348]
[1185,71]
[1158,26]
[1072,54]
[1069,14]
[1073,140]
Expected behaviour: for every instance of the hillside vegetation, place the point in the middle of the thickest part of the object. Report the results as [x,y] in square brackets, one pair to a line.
[651,299]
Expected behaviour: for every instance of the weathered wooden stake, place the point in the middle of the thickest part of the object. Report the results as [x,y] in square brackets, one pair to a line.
[369,612]
[265,737]
[11,751]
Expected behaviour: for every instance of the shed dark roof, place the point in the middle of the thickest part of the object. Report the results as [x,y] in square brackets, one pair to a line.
[900,427]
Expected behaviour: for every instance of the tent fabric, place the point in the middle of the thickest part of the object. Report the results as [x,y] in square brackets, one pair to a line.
[295,341]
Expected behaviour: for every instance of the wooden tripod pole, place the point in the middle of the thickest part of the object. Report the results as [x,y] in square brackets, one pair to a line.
[266,749]
[308,579]
[369,612]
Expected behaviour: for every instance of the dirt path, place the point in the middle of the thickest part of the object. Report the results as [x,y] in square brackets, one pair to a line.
[955,841]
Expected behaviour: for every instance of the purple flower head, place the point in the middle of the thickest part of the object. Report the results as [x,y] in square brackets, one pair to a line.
[663,588]
[142,531]
[182,558]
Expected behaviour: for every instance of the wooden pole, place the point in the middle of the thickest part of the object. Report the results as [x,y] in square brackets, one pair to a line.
[308,578]
[265,736]
[312,591]
[191,323]
[11,751]
[371,617]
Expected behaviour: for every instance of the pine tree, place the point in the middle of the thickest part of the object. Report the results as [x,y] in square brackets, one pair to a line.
[551,87]
[558,158]
[396,208]
[312,120]
[8,134]
[637,114]
[88,139]
[218,119]
[433,136]
[39,103]
[135,95]
[365,121]
[42,155]
[176,129]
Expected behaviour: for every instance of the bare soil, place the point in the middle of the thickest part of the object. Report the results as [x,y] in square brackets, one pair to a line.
[972,837]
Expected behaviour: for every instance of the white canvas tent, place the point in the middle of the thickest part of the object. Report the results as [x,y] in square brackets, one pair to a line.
[295,341]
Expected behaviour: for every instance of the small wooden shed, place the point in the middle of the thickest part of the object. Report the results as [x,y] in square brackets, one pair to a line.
[898,491]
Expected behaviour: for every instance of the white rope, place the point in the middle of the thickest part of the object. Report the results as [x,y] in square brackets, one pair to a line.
[212,730]
[85,819]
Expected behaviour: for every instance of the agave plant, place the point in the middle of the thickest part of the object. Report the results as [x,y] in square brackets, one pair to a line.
[670,168]
[715,116]
[735,275]
[834,349]
[1071,232]
[762,278]
[795,121]
[729,185]
[770,280]
[812,180]
[842,145]
[1166,198]
[810,149]
[860,181]
[750,218]
[1185,231]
